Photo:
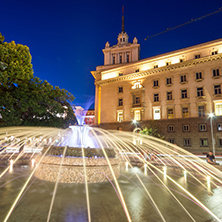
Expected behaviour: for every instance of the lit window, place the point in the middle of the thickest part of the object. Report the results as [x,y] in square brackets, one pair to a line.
[170,113]
[170,140]
[219,127]
[185,112]
[170,128]
[200,91]
[217,89]
[186,128]
[169,95]
[156,113]
[214,53]
[183,78]
[120,102]
[155,83]
[156,97]
[137,85]
[184,94]
[218,109]
[137,115]
[197,56]
[120,89]
[120,116]
[168,81]
[187,142]
[201,111]
[203,142]
[203,127]
[216,72]
[199,76]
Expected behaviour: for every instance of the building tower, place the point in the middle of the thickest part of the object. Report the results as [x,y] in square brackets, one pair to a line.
[123,51]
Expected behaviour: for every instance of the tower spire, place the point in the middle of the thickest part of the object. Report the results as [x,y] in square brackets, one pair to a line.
[123,28]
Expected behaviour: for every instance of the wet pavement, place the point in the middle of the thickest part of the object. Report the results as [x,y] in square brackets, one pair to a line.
[105,206]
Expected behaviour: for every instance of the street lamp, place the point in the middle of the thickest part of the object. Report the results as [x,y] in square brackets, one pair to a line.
[134,121]
[211,115]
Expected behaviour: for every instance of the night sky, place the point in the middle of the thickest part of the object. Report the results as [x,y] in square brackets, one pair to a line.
[66,38]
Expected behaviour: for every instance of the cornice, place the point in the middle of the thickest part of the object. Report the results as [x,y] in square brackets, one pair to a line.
[173,67]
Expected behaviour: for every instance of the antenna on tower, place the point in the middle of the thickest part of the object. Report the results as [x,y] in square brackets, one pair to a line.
[123,28]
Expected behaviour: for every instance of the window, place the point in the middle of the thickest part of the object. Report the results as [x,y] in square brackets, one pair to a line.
[218,109]
[123,39]
[214,53]
[155,83]
[203,142]
[137,70]
[156,113]
[183,78]
[137,99]
[185,112]
[197,56]
[181,60]
[219,127]
[216,72]
[187,142]
[169,95]
[183,93]
[217,89]
[220,142]
[170,128]
[199,76]
[203,127]
[120,89]
[137,115]
[168,63]
[201,111]
[120,74]
[120,102]
[168,81]
[170,113]
[200,91]
[114,58]
[120,116]
[127,58]
[120,58]
[171,140]
[186,128]
[155,66]
[156,97]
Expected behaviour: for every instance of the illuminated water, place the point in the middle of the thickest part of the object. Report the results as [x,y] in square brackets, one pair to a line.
[169,185]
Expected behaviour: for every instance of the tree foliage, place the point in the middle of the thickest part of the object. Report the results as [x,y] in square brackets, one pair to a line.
[152,130]
[25,99]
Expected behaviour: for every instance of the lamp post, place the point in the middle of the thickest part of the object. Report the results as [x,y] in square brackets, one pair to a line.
[211,115]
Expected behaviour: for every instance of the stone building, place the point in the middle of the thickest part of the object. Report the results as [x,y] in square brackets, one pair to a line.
[175,91]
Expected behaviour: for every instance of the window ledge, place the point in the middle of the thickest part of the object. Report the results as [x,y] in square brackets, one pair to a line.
[199,80]
[216,77]
[185,82]
[168,85]
[155,87]
[201,97]
[218,95]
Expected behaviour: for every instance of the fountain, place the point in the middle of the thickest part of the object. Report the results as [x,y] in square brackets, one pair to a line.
[89,174]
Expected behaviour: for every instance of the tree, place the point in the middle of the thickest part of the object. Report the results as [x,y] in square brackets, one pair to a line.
[152,130]
[25,99]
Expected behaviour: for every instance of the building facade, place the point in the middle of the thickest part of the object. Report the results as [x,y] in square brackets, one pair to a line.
[176,91]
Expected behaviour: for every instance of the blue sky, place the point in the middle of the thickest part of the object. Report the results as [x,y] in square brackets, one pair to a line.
[66,38]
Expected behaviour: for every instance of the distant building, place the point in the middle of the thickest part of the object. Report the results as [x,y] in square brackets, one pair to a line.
[176,91]
[84,116]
